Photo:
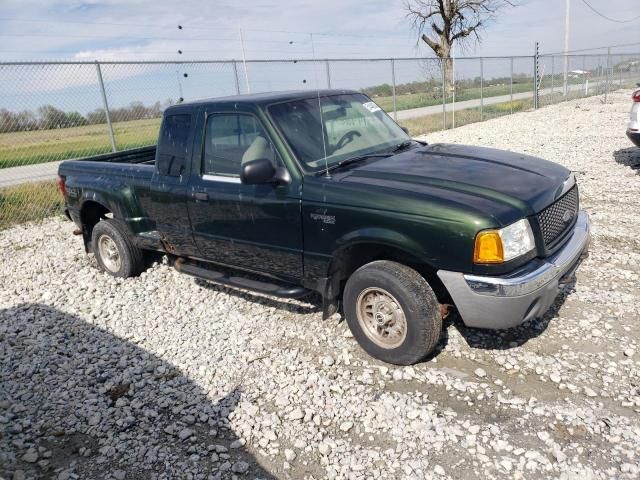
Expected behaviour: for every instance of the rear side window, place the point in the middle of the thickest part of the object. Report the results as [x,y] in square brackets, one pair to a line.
[172,145]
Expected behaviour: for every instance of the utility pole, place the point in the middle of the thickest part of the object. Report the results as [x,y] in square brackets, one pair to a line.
[566,44]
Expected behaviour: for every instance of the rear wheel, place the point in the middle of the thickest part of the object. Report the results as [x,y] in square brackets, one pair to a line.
[115,253]
[392,312]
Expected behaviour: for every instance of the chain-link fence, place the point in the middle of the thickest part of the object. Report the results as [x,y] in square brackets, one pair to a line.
[51,112]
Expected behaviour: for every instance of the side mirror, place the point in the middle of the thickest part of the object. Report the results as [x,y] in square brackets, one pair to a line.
[257,171]
[405,129]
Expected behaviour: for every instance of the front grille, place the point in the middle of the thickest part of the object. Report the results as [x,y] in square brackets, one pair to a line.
[557,218]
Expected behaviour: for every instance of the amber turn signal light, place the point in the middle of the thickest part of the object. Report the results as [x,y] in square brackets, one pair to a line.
[488,248]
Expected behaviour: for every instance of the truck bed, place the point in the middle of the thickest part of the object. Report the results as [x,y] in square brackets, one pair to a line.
[136,163]
[141,155]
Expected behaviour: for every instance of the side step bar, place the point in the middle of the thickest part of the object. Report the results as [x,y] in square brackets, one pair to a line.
[284,291]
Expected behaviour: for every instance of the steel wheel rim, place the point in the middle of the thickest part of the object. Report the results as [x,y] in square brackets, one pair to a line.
[109,253]
[381,317]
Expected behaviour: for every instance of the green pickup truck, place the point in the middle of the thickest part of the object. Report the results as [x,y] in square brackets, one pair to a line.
[292,192]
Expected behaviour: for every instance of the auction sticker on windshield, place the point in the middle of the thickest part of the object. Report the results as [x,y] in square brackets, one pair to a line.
[372,107]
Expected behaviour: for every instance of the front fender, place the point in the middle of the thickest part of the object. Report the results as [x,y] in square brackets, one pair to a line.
[383,237]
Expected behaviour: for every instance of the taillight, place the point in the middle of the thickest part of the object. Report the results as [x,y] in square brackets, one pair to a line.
[62,186]
[636,96]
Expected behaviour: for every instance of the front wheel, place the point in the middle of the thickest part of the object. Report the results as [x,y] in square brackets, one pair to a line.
[114,251]
[392,312]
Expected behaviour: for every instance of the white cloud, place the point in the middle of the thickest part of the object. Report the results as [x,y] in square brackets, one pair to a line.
[372,28]
[130,30]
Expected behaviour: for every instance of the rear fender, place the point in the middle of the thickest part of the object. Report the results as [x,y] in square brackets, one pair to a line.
[114,203]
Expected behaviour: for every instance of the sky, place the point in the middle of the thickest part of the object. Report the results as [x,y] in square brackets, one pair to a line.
[134,30]
[148,30]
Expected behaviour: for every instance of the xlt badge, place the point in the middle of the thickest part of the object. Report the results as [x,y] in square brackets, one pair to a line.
[324,218]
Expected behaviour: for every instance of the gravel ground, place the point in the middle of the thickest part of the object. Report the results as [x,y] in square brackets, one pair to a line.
[163,376]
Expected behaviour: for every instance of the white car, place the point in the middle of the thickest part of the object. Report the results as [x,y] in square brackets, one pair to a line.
[633,131]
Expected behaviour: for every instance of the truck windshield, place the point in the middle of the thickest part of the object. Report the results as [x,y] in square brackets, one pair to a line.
[351,124]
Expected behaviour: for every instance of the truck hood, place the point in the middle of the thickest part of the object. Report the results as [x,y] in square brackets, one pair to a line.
[501,178]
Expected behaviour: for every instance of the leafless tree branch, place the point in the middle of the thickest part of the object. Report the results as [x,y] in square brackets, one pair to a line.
[442,23]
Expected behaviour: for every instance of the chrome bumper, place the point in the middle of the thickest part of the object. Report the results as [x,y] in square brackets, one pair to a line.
[527,293]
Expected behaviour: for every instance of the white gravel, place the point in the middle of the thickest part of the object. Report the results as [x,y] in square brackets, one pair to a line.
[164,377]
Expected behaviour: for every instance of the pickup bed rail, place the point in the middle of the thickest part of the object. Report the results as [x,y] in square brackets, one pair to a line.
[145,155]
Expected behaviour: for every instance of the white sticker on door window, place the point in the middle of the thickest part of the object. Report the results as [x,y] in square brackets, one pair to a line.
[372,107]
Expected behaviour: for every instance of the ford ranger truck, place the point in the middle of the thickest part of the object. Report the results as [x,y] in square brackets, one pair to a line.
[292,192]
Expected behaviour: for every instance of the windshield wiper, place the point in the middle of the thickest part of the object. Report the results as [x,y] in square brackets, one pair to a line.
[402,146]
[356,159]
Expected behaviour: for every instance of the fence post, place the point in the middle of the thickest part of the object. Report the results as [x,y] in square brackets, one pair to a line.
[536,74]
[106,107]
[586,80]
[565,87]
[235,76]
[619,77]
[326,66]
[553,73]
[481,89]
[453,93]
[606,90]
[511,85]
[244,61]
[444,103]
[393,88]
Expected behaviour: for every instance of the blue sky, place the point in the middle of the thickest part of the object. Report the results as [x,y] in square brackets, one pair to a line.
[136,29]
[130,30]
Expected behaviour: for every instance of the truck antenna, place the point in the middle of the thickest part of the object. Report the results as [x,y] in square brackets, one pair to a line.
[315,74]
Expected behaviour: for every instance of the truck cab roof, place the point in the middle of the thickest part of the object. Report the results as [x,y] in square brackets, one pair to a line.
[262,99]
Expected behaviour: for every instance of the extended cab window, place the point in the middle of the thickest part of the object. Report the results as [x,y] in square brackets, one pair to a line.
[232,139]
[172,145]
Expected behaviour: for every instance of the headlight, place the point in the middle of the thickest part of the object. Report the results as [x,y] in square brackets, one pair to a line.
[498,246]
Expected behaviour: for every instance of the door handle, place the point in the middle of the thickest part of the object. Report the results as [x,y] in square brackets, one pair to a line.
[201,196]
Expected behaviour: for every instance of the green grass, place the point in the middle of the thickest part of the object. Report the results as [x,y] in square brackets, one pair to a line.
[422,99]
[427,99]
[29,202]
[40,146]
[433,123]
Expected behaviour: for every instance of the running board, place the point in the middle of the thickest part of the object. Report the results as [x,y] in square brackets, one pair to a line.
[284,291]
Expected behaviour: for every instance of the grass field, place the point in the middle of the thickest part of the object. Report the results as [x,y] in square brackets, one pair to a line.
[35,201]
[422,99]
[27,148]
[40,146]
[29,202]
[432,123]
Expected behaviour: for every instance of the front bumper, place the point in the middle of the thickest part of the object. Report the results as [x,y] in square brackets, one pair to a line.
[634,136]
[509,300]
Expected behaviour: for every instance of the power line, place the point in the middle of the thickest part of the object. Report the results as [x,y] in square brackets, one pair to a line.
[177,39]
[606,17]
[114,37]
[87,22]
[183,26]
[595,48]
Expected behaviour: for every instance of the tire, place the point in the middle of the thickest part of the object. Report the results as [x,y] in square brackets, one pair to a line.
[385,292]
[115,253]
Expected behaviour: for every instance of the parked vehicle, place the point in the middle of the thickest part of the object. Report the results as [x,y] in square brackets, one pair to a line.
[322,191]
[633,130]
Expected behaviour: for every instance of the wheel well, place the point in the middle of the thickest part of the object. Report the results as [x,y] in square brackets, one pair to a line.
[349,259]
[90,214]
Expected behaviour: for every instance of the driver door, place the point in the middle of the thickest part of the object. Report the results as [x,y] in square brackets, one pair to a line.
[255,227]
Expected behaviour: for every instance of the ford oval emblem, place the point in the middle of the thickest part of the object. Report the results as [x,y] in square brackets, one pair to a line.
[567,215]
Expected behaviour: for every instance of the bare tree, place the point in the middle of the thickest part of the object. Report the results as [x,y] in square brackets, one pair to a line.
[442,23]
